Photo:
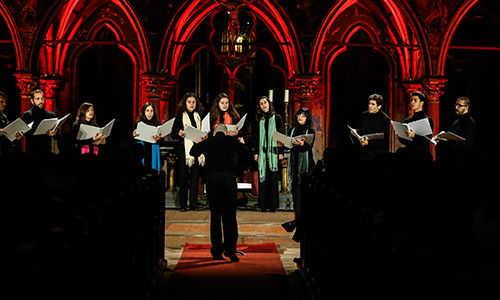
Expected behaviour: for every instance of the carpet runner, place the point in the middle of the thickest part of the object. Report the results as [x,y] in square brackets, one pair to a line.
[258,275]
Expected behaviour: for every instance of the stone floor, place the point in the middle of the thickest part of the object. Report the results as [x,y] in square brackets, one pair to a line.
[255,227]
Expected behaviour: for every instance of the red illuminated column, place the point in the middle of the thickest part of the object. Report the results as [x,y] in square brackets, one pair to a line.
[432,89]
[152,87]
[26,83]
[410,87]
[50,87]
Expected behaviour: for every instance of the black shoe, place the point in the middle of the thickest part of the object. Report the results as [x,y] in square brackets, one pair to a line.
[196,209]
[233,257]
[289,226]
[272,210]
[218,257]
[183,209]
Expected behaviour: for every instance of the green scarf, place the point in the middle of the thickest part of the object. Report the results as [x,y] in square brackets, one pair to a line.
[303,164]
[271,154]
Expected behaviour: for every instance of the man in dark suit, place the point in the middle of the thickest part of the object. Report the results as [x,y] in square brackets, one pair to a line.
[221,152]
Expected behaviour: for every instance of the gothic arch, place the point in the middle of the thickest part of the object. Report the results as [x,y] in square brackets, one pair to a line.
[192,13]
[448,35]
[71,17]
[395,20]
[14,33]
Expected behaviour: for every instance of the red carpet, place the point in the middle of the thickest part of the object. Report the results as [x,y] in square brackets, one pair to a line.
[258,275]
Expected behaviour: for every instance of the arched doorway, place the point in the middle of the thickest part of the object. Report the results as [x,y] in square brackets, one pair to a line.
[105,78]
[354,75]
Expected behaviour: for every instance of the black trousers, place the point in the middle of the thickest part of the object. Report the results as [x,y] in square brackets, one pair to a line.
[188,177]
[269,191]
[221,195]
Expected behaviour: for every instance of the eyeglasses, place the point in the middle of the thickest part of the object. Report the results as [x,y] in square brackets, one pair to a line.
[460,105]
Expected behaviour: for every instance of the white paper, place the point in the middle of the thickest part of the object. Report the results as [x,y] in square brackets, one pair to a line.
[166,128]
[145,132]
[238,126]
[400,128]
[49,124]
[288,141]
[193,134]
[446,136]
[421,127]
[18,125]
[88,132]
[205,124]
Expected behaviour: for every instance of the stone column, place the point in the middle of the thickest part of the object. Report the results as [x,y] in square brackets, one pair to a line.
[50,87]
[26,82]
[432,89]
[152,86]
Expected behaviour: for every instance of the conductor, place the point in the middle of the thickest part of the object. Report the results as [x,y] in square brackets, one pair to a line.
[221,153]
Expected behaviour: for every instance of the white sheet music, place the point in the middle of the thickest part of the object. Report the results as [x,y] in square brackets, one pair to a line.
[238,126]
[49,124]
[193,134]
[18,125]
[288,141]
[88,132]
[400,128]
[205,124]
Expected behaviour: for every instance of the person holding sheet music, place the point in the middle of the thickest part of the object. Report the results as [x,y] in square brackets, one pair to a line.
[86,115]
[419,144]
[464,127]
[4,121]
[301,157]
[373,121]
[267,153]
[43,142]
[224,112]
[151,151]
[188,113]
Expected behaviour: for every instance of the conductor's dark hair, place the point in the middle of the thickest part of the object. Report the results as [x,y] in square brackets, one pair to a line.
[3,95]
[420,95]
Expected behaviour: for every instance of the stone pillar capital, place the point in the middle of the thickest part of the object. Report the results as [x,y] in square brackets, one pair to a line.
[433,87]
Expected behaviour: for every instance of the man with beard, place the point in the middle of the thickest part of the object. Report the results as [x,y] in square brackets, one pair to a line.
[465,127]
[38,143]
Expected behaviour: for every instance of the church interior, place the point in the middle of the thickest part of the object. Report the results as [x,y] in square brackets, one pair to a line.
[403,229]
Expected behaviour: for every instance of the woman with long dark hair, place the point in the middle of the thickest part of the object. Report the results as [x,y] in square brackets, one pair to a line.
[148,116]
[301,158]
[188,113]
[223,112]
[86,115]
[267,153]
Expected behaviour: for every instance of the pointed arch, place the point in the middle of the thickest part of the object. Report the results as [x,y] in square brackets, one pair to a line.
[448,35]
[192,13]
[14,33]
[69,20]
[395,20]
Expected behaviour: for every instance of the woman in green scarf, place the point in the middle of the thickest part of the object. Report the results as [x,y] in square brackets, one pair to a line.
[267,153]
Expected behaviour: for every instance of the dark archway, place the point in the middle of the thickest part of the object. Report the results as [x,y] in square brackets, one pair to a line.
[355,74]
[475,73]
[105,78]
